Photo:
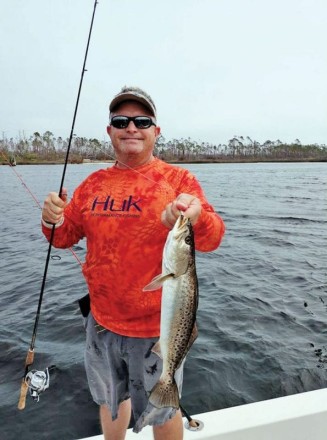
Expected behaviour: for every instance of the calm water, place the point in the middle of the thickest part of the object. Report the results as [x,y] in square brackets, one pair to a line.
[263,299]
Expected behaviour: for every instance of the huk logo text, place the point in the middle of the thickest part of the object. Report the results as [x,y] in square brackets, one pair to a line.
[110,204]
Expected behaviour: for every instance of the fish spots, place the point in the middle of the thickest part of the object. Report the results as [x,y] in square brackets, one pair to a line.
[178,311]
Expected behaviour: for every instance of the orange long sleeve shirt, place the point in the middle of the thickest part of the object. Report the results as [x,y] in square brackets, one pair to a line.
[118,211]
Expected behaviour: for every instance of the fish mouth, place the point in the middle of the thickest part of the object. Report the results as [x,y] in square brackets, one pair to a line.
[182,221]
[181,226]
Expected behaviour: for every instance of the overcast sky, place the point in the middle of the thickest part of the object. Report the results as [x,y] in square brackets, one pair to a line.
[215,68]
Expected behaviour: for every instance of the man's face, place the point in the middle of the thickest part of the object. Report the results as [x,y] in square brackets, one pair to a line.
[131,143]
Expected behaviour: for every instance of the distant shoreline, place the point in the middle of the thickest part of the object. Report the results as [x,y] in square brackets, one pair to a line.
[200,161]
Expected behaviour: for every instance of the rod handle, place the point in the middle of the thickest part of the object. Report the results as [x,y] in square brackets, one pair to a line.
[193,423]
[24,386]
[29,358]
[23,393]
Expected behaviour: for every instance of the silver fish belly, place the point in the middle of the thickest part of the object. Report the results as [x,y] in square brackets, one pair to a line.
[178,309]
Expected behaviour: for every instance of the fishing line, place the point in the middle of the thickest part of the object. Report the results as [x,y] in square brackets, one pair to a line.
[27,380]
[30,354]
[23,183]
[191,424]
[164,185]
[53,257]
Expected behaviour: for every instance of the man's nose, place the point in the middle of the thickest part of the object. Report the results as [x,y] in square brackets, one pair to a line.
[131,126]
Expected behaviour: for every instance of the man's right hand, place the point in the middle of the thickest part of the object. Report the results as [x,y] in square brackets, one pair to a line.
[53,208]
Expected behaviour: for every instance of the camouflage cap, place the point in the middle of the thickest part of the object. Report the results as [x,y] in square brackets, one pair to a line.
[133,94]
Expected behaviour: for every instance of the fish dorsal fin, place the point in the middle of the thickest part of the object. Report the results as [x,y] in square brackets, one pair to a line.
[157,282]
[157,349]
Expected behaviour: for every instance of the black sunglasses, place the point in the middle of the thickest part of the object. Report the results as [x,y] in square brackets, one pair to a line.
[141,122]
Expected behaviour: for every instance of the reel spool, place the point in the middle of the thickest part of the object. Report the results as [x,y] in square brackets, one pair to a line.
[37,381]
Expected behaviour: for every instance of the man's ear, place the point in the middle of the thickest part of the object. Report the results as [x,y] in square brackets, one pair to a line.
[108,129]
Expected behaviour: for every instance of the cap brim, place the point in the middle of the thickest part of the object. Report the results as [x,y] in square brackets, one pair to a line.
[131,97]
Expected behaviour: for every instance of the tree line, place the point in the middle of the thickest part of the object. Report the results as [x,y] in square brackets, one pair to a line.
[47,147]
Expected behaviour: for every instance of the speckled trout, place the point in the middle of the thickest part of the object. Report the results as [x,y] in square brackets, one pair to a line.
[178,309]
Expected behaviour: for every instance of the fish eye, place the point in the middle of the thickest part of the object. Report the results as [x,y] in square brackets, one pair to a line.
[188,239]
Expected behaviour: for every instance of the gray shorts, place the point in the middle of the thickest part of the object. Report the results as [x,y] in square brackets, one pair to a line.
[120,367]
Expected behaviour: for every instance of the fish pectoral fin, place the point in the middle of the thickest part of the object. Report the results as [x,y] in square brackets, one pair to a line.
[157,282]
[157,349]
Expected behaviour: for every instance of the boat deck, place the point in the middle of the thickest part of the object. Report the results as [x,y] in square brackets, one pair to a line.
[297,417]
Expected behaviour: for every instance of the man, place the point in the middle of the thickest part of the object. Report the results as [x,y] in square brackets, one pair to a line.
[125,213]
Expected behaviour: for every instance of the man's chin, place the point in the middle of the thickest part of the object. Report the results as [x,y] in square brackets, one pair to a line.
[132,145]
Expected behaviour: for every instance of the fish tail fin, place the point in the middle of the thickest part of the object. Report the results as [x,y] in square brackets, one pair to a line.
[165,394]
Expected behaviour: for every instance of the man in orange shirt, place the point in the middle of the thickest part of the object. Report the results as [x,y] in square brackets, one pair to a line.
[125,213]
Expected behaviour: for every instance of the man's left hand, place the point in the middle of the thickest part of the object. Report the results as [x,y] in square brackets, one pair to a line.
[189,205]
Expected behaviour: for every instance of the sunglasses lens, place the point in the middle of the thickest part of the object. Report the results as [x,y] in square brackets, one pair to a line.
[119,121]
[142,122]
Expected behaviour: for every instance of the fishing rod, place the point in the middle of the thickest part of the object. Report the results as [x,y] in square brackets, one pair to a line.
[38,381]
[28,379]
[191,424]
